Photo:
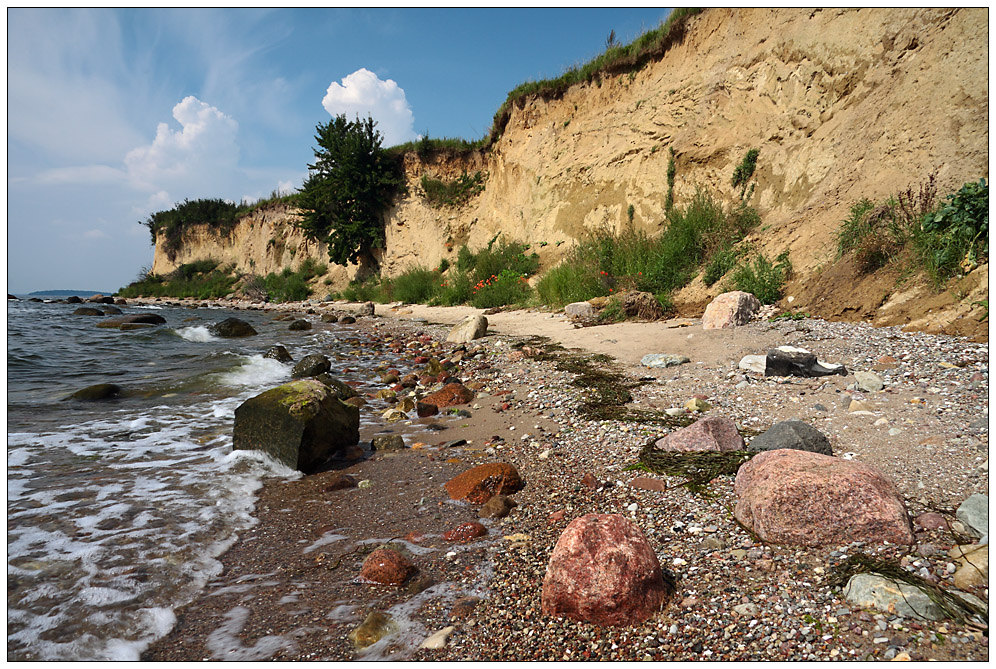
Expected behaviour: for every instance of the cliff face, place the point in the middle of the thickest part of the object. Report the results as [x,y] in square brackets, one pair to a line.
[842,104]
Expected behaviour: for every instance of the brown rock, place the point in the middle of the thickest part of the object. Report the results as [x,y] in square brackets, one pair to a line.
[463,607]
[387,567]
[451,394]
[729,310]
[464,532]
[931,521]
[603,571]
[481,483]
[707,434]
[589,481]
[556,517]
[340,482]
[425,410]
[645,483]
[799,498]
[498,506]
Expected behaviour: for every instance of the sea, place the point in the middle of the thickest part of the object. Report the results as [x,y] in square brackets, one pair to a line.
[118,510]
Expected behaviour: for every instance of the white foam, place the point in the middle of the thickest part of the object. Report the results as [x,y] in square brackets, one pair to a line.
[224,643]
[324,540]
[197,333]
[255,371]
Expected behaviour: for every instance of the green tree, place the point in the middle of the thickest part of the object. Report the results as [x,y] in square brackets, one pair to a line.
[348,188]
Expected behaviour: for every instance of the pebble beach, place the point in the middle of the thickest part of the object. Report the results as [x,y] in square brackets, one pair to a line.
[290,586]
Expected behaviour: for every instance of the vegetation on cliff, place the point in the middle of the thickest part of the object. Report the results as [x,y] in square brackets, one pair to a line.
[202,279]
[918,233]
[348,189]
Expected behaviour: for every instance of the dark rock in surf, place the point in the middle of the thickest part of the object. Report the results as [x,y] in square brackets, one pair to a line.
[300,325]
[301,424]
[311,365]
[73,300]
[135,319]
[233,327]
[278,353]
[88,311]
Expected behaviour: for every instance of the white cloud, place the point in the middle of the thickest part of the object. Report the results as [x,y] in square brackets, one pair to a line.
[196,160]
[85,174]
[95,234]
[363,94]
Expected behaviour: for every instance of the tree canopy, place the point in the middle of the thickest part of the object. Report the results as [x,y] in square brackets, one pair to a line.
[350,185]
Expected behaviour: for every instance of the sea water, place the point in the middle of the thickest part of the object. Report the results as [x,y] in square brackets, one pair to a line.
[118,510]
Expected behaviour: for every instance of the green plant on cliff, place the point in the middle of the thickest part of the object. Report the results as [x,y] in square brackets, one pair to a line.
[672,170]
[762,278]
[744,171]
[912,229]
[350,185]
[454,193]
[201,279]
[290,285]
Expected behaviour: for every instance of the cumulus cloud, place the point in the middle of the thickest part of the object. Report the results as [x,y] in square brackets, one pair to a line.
[363,94]
[199,157]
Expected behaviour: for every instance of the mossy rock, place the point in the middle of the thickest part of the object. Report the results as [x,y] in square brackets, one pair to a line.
[301,424]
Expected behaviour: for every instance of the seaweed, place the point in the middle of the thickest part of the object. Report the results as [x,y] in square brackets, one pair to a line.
[698,468]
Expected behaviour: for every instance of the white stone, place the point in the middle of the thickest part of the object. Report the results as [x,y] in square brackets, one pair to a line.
[753,363]
[438,640]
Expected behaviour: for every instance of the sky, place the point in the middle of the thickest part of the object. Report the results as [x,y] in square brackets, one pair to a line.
[114,114]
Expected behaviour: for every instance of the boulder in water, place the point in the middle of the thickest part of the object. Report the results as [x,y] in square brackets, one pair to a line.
[300,424]
[88,311]
[111,311]
[311,365]
[278,353]
[135,319]
[233,327]
[73,300]
[300,325]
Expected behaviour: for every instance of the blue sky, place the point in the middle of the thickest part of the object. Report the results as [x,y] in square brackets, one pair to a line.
[114,114]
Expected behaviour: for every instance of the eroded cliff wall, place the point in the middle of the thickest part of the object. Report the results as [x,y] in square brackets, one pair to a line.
[843,104]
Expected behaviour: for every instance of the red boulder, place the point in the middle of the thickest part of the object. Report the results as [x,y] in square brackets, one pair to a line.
[450,395]
[603,571]
[799,498]
[481,483]
[465,532]
[387,567]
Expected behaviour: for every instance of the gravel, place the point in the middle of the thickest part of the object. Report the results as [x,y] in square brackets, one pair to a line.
[736,599]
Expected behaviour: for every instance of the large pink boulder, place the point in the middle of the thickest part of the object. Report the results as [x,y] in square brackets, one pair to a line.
[603,571]
[729,310]
[707,434]
[799,498]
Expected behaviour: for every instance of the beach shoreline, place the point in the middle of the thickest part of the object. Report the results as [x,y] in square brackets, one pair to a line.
[277,600]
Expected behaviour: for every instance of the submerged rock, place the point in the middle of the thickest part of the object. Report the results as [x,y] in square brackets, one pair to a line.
[300,424]
[604,571]
[135,319]
[88,311]
[300,325]
[100,391]
[376,626]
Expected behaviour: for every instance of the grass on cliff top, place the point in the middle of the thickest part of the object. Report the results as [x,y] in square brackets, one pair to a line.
[616,59]
[202,280]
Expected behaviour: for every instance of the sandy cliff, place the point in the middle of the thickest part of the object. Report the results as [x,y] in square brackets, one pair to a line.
[843,104]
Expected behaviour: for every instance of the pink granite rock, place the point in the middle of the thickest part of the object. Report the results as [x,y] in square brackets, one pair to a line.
[729,310]
[799,498]
[603,571]
[707,434]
